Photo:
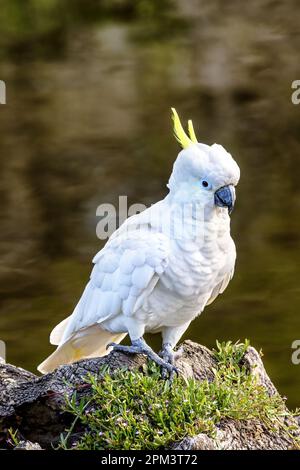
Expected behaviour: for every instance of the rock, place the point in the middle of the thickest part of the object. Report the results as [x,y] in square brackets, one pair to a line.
[236,435]
[34,405]
[255,365]
[27,445]
[199,442]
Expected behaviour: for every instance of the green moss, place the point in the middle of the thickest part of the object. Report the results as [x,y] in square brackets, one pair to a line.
[135,410]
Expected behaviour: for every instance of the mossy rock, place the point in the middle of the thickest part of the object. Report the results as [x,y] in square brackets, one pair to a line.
[222,399]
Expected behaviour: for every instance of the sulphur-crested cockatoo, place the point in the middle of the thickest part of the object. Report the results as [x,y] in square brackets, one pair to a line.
[160,269]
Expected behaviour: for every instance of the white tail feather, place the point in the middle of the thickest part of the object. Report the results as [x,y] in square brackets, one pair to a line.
[58,331]
[86,343]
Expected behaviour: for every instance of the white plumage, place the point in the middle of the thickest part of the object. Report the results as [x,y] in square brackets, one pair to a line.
[160,269]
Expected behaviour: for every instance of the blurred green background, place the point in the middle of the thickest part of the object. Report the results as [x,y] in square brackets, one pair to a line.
[90,84]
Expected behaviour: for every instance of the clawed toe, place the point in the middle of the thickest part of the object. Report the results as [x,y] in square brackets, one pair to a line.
[123,348]
[165,360]
[169,372]
[168,354]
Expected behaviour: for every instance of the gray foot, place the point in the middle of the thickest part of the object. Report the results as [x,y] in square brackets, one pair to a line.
[139,346]
[168,354]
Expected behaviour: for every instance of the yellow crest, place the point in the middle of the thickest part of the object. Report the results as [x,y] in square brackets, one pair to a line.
[184,139]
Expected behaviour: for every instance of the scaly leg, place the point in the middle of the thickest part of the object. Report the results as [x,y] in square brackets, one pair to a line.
[171,336]
[169,356]
[139,346]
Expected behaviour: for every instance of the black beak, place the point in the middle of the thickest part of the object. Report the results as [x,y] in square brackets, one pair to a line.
[225,197]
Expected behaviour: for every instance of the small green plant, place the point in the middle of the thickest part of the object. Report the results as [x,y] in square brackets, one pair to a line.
[228,353]
[13,437]
[135,410]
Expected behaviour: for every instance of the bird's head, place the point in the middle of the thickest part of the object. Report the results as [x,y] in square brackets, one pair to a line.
[202,173]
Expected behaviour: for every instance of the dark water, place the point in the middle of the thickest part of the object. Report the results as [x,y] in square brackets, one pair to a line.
[89,91]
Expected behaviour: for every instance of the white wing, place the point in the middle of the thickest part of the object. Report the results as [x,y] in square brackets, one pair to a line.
[225,275]
[220,287]
[126,271]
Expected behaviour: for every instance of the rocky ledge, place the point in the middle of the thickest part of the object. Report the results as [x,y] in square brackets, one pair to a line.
[34,406]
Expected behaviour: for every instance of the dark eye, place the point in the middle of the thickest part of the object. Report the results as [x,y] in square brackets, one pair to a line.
[206,184]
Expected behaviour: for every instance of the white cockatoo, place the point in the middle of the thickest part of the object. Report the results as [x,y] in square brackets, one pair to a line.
[160,269]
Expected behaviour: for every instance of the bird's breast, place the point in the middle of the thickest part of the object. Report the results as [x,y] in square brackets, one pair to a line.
[194,264]
[185,287]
